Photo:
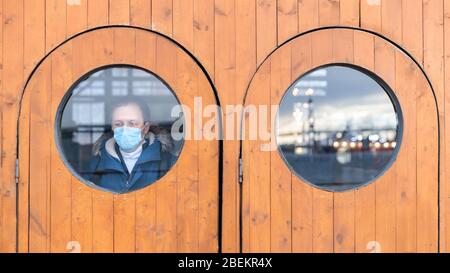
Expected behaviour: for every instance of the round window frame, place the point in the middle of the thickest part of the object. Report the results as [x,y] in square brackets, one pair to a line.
[398,138]
[58,122]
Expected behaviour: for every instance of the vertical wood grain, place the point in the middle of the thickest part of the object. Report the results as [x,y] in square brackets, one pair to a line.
[102,203]
[141,13]
[224,79]
[146,198]
[266,28]
[386,217]
[280,175]
[162,16]
[124,42]
[98,13]
[302,193]
[287,19]
[166,190]
[344,203]
[364,56]
[433,50]
[119,12]
[329,12]
[13,62]
[76,17]
[208,151]
[308,15]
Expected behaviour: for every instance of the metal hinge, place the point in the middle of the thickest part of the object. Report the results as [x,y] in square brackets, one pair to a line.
[241,171]
[17,171]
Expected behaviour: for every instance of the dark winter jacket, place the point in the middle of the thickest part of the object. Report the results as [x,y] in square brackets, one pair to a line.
[107,169]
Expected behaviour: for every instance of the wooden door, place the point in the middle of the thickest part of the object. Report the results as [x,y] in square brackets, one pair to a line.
[58,213]
[398,212]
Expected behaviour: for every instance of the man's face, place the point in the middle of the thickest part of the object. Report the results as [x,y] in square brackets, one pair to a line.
[129,115]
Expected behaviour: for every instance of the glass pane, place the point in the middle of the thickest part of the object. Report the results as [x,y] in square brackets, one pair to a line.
[338,128]
[115,129]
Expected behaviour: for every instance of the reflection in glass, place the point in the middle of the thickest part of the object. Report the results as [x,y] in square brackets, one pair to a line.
[115,129]
[337,128]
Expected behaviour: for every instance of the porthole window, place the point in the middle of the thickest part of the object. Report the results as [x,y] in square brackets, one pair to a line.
[339,127]
[115,129]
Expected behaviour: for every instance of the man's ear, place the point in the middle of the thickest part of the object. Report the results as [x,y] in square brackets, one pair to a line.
[146,128]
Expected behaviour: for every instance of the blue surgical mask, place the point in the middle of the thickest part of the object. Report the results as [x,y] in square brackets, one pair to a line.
[128,138]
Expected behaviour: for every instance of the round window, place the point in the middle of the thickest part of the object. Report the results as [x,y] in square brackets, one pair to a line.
[119,129]
[339,127]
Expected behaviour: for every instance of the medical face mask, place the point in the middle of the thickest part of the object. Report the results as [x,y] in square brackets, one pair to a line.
[128,138]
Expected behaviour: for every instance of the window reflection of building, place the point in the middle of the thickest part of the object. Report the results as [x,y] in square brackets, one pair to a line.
[87,114]
[337,126]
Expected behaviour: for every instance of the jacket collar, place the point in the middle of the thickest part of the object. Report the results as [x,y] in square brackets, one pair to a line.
[151,151]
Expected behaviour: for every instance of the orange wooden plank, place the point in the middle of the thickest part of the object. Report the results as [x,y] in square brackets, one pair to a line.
[82,214]
[343,42]
[102,202]
[260,186]
[344,203]
[119,12]
[260,170]
[266,28]
[412,28]
[208,175]
[225,76]
[98,13]
[204,34]
[24,173]
[308,14]
[349,13]
[406,178]
[60,195]
[34,34]
[13,24]
[371,15]
[433,48]
[427,172]
[246,43]
[344,222]
[329,12]
[364,56]
[166,189]
[60,183]
[187,177]
[280,175]
[445,181]
[76,17]
[34,47]
[203,16]
[162,11]
[244,243]
[322,221]
[322,52]
[39,240]
[287,19]
[146,198]
[124,204]
[245,67]
[391,23]
[183,20]
[386,232]
[141,13]
[125,223]
[55,23]
[188,167]
[302,216]
[302,203]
